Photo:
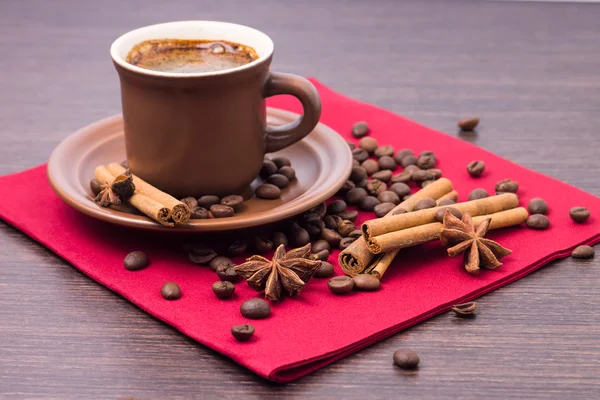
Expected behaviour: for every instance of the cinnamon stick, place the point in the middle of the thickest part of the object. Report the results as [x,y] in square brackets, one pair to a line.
[180,212]
[145,204]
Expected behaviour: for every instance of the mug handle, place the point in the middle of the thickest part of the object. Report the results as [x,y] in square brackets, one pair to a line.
[279,137]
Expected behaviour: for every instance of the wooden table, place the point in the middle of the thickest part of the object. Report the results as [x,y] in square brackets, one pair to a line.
[530,70]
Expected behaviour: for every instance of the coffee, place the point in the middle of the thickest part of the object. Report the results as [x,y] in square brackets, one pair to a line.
[190,56]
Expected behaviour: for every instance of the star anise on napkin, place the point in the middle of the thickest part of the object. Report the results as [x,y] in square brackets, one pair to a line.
[286,272]
[461,236]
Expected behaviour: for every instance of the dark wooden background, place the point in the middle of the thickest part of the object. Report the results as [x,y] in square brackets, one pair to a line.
[531,70]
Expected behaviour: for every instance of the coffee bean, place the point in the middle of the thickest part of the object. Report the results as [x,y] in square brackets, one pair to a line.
[439,214]
[278,180]
[507,186]
[255,309]
[346,242]
[408,160]
[579,214]
[371,166]
[237,248]
[96,186]
[425,203]
[366,282]
[221,211]
[299,237]
[268,168]
[386,150]
[360,155]
[228,273]
[340,284]
[428,153]
[363,184]
[468,124]
[282,162]
[322,255]
[223,289]
[208,200]
[387,163]
[355,163]
[136,260]
[288,172]
[345,227]
[368,203]
[351,145]
[406,197]
[324,271]
[368,144]
[360,129]
[260,244]
[475,168]
[375,187]
[219,261]
[320,209]
[268,191]
[402,177]
[406,359]
[538,221]
[279,238]
[446,202]
[242,333]
[347,186]
[332,221]
[201,254]
[583,252]
[383,176]
[422,175]
[358,174]
[426,183]
[426,161]
[320,245]
[199,213]
[382,209]
[336,207]
[399,211]
[331,236]
[314,228]
[389,197]
[537,206]
[170,291]
[354,196]
[478,193]
[401,189]
[355,234]
[350,215]
[191,202]
[401,154]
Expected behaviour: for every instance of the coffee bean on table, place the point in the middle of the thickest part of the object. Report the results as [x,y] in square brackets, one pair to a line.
[401,154]
[439,214]
[406,359]
[313,228]
[446,202]
[468,124]
[358,174]
[282,162]
[349,215]
[363,184]
[426,161]
[288,172]
[360,129]
[369,144]
[351,145]
[354,196]
[347,186]
[507,186]
[360,155]
[299,237]
[375,187]
[96,186]
[237,248]
[401,189]
[191,202]
[340,284]
[475,168]
[538,221]
[421,175]
[409,160]
[322,255]
[382,209]
[355,234]
[331,236]
[228,273]
[260,244]
[583,252]
[201,254]
[268,168]
[366,282]
[385,150]
[389,197]
[399,211]
[268,191]
[368,203]
[279,238]
[345,227]
[208,200]
[170,291]
[371,166]
[346,242]
[383,176]
[221,211]
[255,309]
[402,177]
[278,180]
[425,203]
[325,270]
[223,289]
[537,206]
[332,221]
[136,260]
[199,213]
[355,163]
[579,214]
[478,193]
[242,333]
[320,245]
[336,207]
[219,261]
[387,163]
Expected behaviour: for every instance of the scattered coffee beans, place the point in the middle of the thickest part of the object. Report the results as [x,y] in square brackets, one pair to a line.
[368,203]
[468,124]
[439,214]
[340,284]
[332,221]
[360,129]
[268,168]
[382,209]
[288,172]
[403,177]
[320,245]
[299,237]
[363,184]
[465,309]
[358,174]
[170,291]
[279,238]
[368,144]
[242,333]
[371,166]
[537,206]
[208,200]
[366,282]
[583,252]
[401,189]
[227,273]
[268,191]
[355,234]
[255,309]
[345,228]
[475,168]
[96,186]
[325,270]
[538,221]
[354,196]
[237,248]
[401,154]
[478,193]
[136,260]
[346,242]
[349,215]
[191,202]
[383,176]
[347,186]
[387,163]
[409,160]
[199,213]
[260,244]
[579,214]
[425,203]
[399,211]
[201,254]
[446,202]
[331,236]
[389,197]
[351,145]
[336,207]
[375,187]
[360,155]
[406,359]
[385,150]
[426,161]
[223,289]
[221,211]
[507,186]
[220,261]
[281,162]
[278,180]
[322,255]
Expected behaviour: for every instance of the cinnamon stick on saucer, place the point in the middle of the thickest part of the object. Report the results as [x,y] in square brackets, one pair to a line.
[179,211]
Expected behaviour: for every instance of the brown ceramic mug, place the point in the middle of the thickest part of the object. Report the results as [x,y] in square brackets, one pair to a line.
[205,133]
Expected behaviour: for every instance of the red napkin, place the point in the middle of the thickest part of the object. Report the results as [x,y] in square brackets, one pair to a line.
[315,329]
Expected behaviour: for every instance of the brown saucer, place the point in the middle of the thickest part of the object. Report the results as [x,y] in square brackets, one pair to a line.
[322,162]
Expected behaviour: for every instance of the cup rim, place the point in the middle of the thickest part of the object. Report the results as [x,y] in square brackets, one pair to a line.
[116,45]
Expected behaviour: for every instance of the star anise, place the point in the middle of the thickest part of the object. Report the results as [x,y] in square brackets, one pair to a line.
[107,197]
[286,272]
[462,235]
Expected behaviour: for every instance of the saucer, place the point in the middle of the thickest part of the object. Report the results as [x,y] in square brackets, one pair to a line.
[322,161]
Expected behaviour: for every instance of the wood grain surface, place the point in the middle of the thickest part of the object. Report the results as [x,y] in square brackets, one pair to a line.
[530,70]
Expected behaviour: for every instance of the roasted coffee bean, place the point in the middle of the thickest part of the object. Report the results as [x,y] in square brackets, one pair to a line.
[360,155]
[354,196]
[363,184]
[583,252]
[320,210]
[427,153]
[355,234]
[191,202]
[355,163]
[268,191]
[325,270]
[351,145]
[426,183]
[96,186]
[401,154]
[360,129]
[371,166]
[232,201]
[507,186]
[199,213]
[537,206]
[399,211]
[223,289]
[382,209]
[366,282]
[314,228]
[439,214]
[475,168]
[221,211]
[468,124]
[336,207]
[346,242]
[242,333]
[478,193]
[538,221]
[465,309]
[446,202]
[208,200]
[332,221]
[136,260]
[425,203]
[347,186]
[260,244]
[579,214]
[383,176]
[237,248]
[406,359]
[350,215]
[345,227]
[340,284]
[401,189]
[387,163]
[268,168]
[288,172]
[403,177]
[299,237]
[255,309]
[170,291]
[386,150]
[375,187]
[227,273]
[282,162]
[320,245]
[279,238]
[369,144]
[368,203]
[278,180]
[322,255]
[426,161]
[219,261]
[201,254]
[408,160]
[389,197]
[406,197]
[358,174]
[331,236]
[422,175]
